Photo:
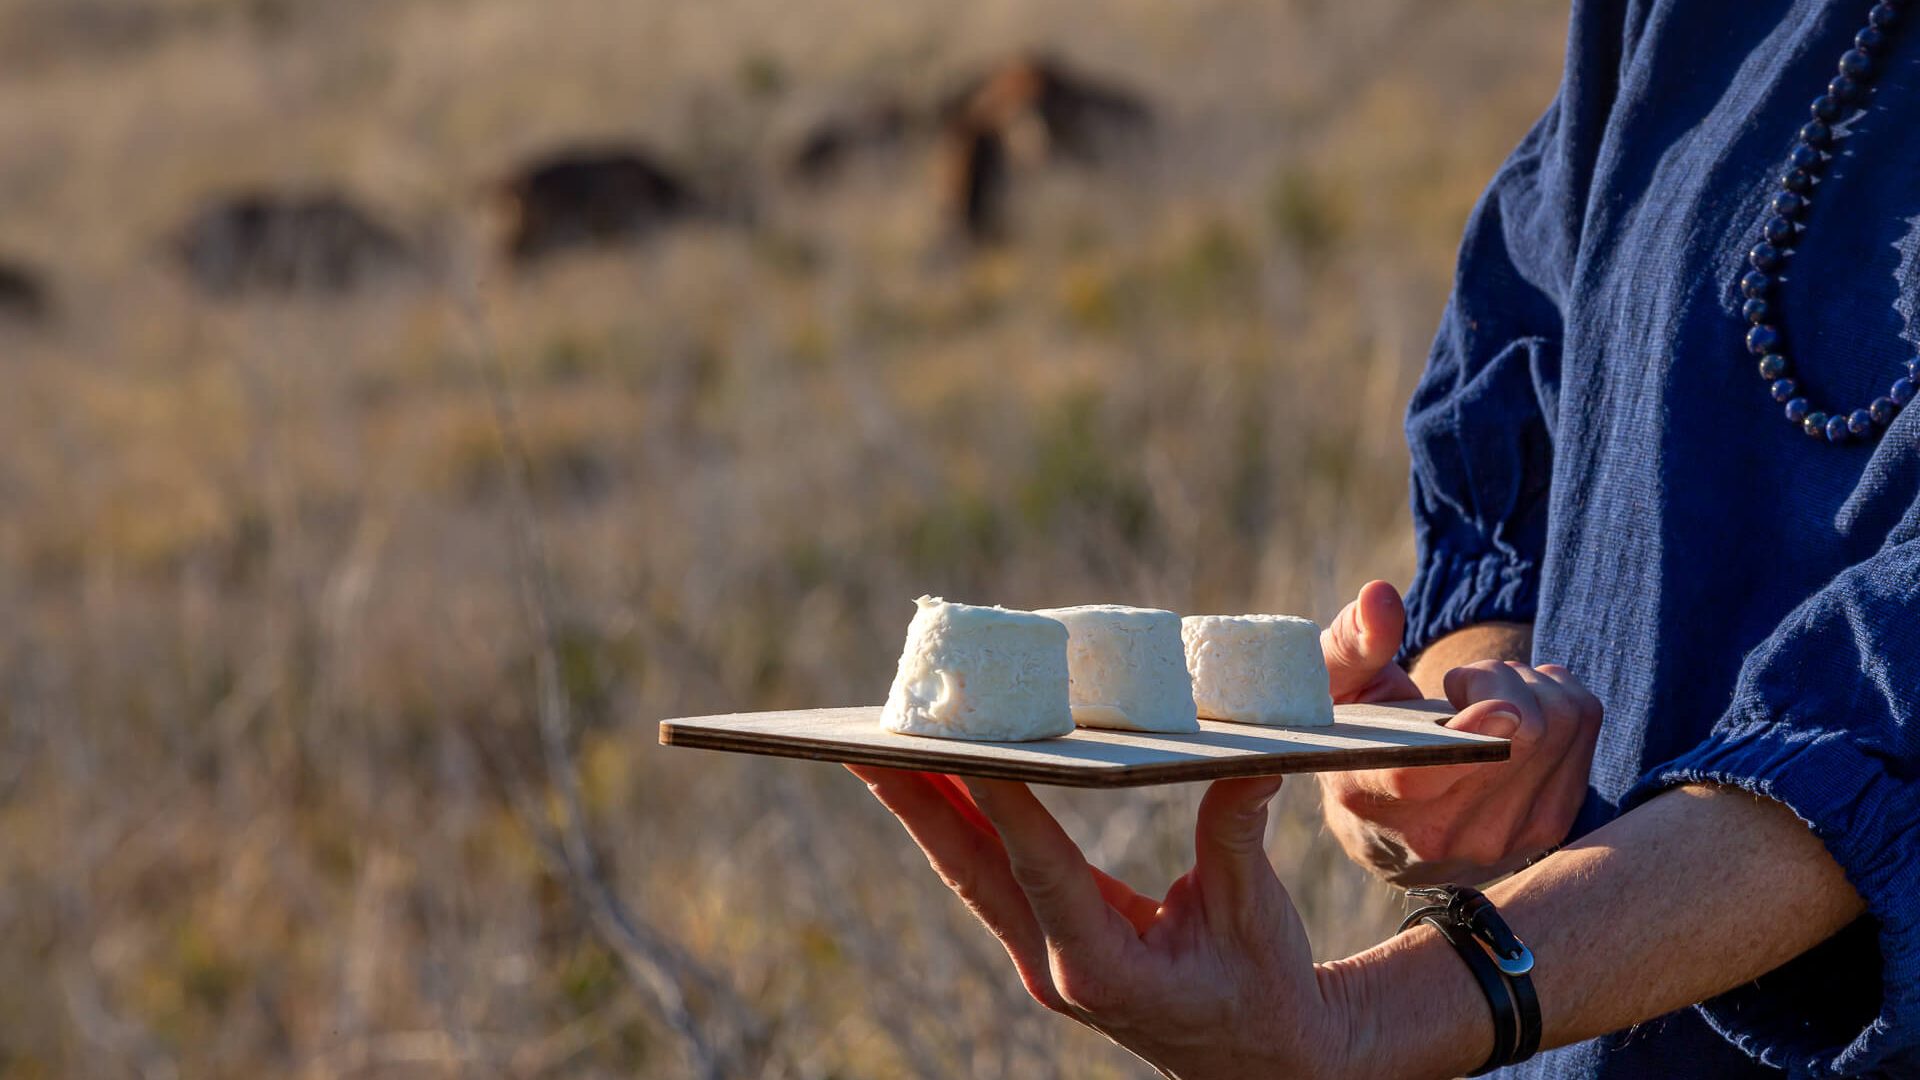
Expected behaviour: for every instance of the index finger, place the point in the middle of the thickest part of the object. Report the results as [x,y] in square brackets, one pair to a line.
[960,846]
[1056,878]
[1136,909]
[1496,717]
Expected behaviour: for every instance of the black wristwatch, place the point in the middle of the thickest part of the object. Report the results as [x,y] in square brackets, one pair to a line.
[1500,961]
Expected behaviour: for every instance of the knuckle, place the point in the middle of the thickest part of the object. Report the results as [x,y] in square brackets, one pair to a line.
[1042,887]
[1473,682]
[1569,686]
[959,876]
[1562,716]
[1244,839]
[960,881]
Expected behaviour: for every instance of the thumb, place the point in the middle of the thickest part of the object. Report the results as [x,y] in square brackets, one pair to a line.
[1230,845]
[1363,638]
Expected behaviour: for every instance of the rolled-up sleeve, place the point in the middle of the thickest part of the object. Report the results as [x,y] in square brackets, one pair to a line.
[1480,424]
[1825,719]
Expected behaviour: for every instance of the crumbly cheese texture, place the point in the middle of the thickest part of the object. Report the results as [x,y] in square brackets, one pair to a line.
[1258,669]
[982,673]
[1126,668]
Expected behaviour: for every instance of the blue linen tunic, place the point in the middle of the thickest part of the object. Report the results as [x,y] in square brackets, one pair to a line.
[1594,451]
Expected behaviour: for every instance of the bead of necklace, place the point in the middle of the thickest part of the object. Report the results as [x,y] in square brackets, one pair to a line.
[1812,151]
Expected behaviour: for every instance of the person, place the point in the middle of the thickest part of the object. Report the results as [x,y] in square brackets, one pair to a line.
[1659,443]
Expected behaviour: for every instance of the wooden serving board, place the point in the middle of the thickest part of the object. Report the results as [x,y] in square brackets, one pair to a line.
[1361,737]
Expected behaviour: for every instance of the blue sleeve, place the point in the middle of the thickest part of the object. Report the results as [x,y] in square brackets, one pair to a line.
[1481,423]
[1479,427]
[1825,719]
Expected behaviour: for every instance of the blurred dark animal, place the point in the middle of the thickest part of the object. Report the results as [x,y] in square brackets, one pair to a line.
[270,242]
[832,143]
[589,197]
[25,296]
[1033,108]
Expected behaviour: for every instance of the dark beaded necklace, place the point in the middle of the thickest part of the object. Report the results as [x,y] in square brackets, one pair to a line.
[1811,152]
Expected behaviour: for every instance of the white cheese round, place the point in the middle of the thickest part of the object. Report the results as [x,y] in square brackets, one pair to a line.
[981,673]
[1258,669]
[1126,668]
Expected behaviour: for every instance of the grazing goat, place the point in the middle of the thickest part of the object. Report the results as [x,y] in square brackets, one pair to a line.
[271,242]
[1030,109]
[25,296]
[589,197]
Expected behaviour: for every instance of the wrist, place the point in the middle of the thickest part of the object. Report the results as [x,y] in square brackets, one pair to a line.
[1480,641]
[1409,1007]
[1342,989]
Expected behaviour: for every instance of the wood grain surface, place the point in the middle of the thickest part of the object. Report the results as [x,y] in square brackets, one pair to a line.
[1362,737]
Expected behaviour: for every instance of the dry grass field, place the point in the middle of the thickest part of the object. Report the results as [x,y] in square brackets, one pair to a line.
[281,612]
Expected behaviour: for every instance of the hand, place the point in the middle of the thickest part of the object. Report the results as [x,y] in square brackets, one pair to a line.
[1216,980]
[1461,823]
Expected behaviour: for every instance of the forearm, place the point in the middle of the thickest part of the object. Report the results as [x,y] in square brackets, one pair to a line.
[1655,911]
[1481,641]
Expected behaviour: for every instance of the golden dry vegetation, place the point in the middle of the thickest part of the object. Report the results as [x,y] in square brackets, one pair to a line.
[272,797]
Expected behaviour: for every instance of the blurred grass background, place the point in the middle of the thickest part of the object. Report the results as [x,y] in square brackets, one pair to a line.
[267,686]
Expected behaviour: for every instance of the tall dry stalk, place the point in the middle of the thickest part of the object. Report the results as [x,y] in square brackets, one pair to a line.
[729,1041]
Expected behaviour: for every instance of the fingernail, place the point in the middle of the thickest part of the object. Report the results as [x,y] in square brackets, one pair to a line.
[1502,724]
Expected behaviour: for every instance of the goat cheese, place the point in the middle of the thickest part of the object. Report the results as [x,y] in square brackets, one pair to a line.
[982,673]
[1258,669]
[1126,668]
